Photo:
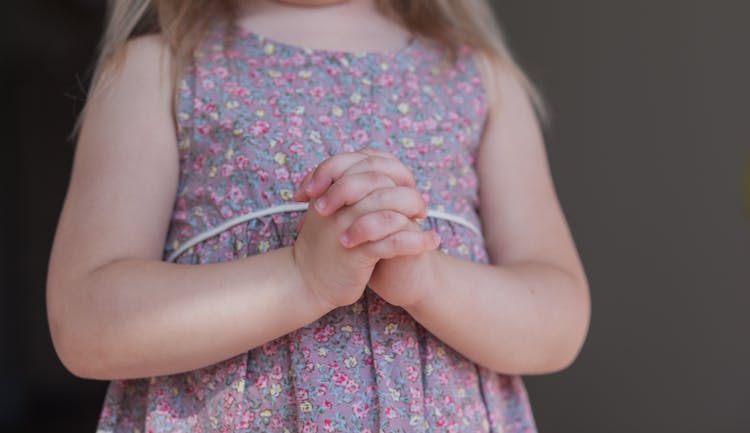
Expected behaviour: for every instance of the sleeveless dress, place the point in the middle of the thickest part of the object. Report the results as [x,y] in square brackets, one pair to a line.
[255,116]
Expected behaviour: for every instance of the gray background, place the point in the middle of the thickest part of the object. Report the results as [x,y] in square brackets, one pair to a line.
[647,148]
[648,141]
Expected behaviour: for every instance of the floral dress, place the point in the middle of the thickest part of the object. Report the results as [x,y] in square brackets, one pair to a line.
[254,116]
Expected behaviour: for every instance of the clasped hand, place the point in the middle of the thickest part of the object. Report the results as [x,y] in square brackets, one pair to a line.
[360,231]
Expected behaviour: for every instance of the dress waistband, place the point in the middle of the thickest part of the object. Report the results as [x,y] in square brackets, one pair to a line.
[293,207]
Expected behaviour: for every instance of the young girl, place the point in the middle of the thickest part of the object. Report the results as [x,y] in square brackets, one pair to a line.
[397,304]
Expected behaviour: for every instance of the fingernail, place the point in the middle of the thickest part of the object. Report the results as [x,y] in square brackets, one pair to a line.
[308,187]
[345,240]
[320,204]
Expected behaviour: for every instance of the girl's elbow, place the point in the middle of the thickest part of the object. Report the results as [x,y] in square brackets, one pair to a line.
[574,340]
[81,348]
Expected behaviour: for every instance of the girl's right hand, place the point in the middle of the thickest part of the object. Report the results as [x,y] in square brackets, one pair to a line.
[382,210]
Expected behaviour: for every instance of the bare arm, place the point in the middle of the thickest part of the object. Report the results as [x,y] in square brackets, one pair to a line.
[528,311]
[115,309]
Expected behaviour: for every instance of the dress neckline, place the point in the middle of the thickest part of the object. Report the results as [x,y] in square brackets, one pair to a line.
[269,43]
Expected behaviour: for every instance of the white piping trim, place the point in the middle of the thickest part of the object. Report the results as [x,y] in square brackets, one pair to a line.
[293,207]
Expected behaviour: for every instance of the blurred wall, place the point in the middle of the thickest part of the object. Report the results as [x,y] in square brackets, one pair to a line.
[648,139]
[647,147]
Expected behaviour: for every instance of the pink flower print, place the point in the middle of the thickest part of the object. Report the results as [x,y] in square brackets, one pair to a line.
[351,386]
[226,212]
[241,162]
[327,425]
[327,404]
[378,348]
[217,199]
[301,394]
[324,120]
[281,174]
[199,163]
[412,373]
[276,421]
[163,408]
[322,334]
[309,427]
[276,373]
[297,59]
[354,113]
[241,92]
[337,90]
[386,123]
[208,84]
[398,347]
[360,409]
[261,381]
[390,412]
[295,120]
[385,80]
[198,104]
[204,129]
[360,136]
[374,309]
[259,128]
[263,175]
[430,124]
[235,194]
[369,108]
[356,339]
[297,149]
[226,170]
[221,72]
[404,123]
[209,108]
[271,348]
[322,389]
[340,378]
[228,400]
[294,131]
[317,92]
[215,148]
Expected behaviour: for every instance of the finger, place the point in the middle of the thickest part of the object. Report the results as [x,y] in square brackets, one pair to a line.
[300,222]
[374,227]
[405,200]
[327,171]
[377,152]
[299,193]
[392,167]
[333,168]
[349,190]
[402,243]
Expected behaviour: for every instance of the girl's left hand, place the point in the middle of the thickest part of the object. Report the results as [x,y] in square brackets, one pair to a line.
[401,280]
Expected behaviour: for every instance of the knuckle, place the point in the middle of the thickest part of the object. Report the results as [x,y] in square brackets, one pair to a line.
[379,179]
[386,218]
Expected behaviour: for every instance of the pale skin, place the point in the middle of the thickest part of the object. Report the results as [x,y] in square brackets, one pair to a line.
[117,311]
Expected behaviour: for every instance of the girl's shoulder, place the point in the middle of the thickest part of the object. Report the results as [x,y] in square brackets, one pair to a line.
[144,58]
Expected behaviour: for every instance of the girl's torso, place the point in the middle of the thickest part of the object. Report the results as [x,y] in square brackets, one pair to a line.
[253,118]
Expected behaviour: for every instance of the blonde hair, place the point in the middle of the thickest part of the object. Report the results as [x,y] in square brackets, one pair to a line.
[182,23]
